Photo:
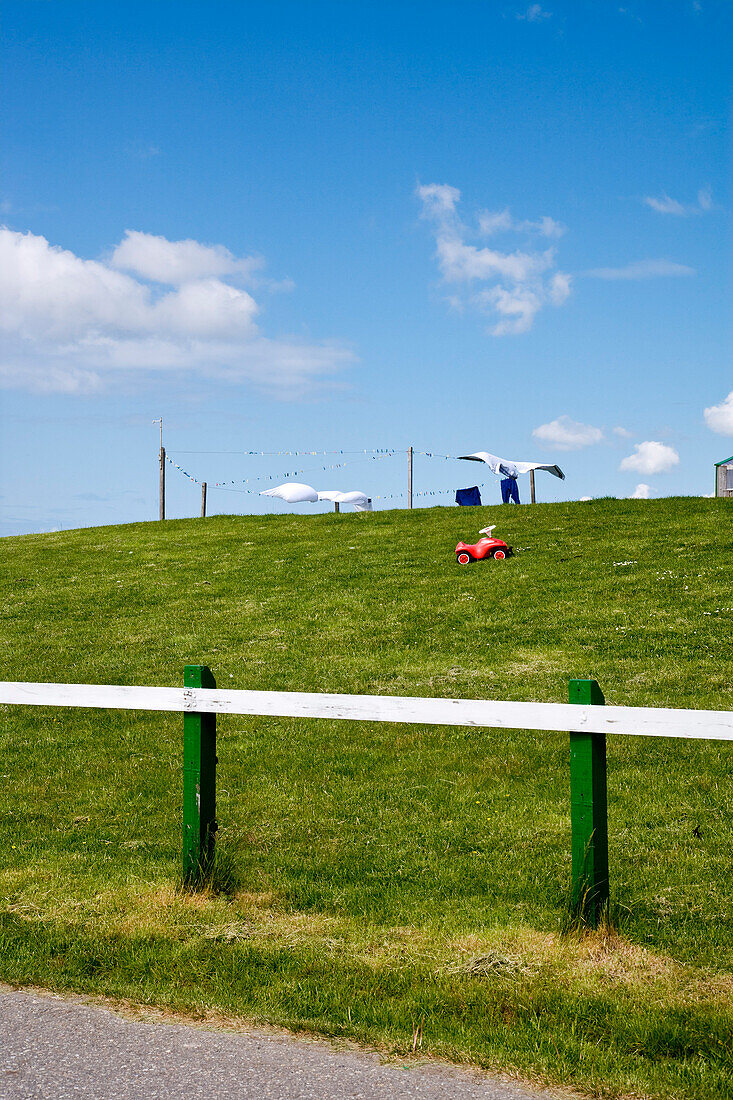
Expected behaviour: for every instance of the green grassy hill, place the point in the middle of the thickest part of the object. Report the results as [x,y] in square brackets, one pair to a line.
[376,878]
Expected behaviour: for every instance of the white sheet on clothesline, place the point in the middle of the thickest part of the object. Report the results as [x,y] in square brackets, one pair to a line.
[293,492]
[504,467]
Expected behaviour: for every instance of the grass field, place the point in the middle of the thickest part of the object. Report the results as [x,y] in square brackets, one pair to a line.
[396,885]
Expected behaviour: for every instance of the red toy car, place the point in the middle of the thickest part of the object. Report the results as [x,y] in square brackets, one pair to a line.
[487,547]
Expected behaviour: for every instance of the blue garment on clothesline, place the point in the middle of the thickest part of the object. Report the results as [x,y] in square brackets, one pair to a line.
[468,496]
[509,490]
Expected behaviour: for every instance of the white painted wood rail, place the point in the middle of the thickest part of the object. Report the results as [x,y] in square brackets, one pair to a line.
[715,725]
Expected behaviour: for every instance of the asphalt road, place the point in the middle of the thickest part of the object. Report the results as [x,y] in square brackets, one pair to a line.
[54,1049]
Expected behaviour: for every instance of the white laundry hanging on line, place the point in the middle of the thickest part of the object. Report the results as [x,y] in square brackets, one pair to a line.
[360,501]
[504,467]
[293,492]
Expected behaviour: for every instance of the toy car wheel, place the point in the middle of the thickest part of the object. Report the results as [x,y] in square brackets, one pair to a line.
[500,555]
[463,558]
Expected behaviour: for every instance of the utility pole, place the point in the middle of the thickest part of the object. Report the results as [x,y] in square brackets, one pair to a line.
[161,514]
[409,477]
[203,500]
[531,486]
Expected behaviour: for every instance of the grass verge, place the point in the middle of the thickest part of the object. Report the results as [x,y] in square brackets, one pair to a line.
[382,880]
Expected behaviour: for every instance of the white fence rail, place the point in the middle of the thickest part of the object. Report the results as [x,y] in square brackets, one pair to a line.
[585,720]
[486,713]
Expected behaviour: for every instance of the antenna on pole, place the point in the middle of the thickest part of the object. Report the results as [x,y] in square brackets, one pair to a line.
[161,513]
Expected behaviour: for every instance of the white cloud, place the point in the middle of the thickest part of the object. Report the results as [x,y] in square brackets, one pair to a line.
[651,457]
[548,227]
[175,262]
[559,288]
[501,221]
[520,280]
[72,324]
[534,14]
[642,269]
[719,418]
[439,199]
[495,222]
[517,306]
[624,433]
[206,309]
[461,262]
[641,492]
[568,435]
[666,205]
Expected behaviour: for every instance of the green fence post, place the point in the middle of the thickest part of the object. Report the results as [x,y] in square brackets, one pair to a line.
[589,824]
[199,781]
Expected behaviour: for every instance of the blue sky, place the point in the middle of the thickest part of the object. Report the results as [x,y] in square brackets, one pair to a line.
[350,227]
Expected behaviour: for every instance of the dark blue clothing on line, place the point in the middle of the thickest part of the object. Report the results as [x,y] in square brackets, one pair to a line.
[468,496]
[509,490]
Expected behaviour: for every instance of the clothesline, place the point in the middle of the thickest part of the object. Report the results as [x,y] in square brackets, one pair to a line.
[371,456]
[375,496]
[504,468]
[290,454]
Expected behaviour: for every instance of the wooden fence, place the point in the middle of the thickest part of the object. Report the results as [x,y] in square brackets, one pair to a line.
[585,717]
